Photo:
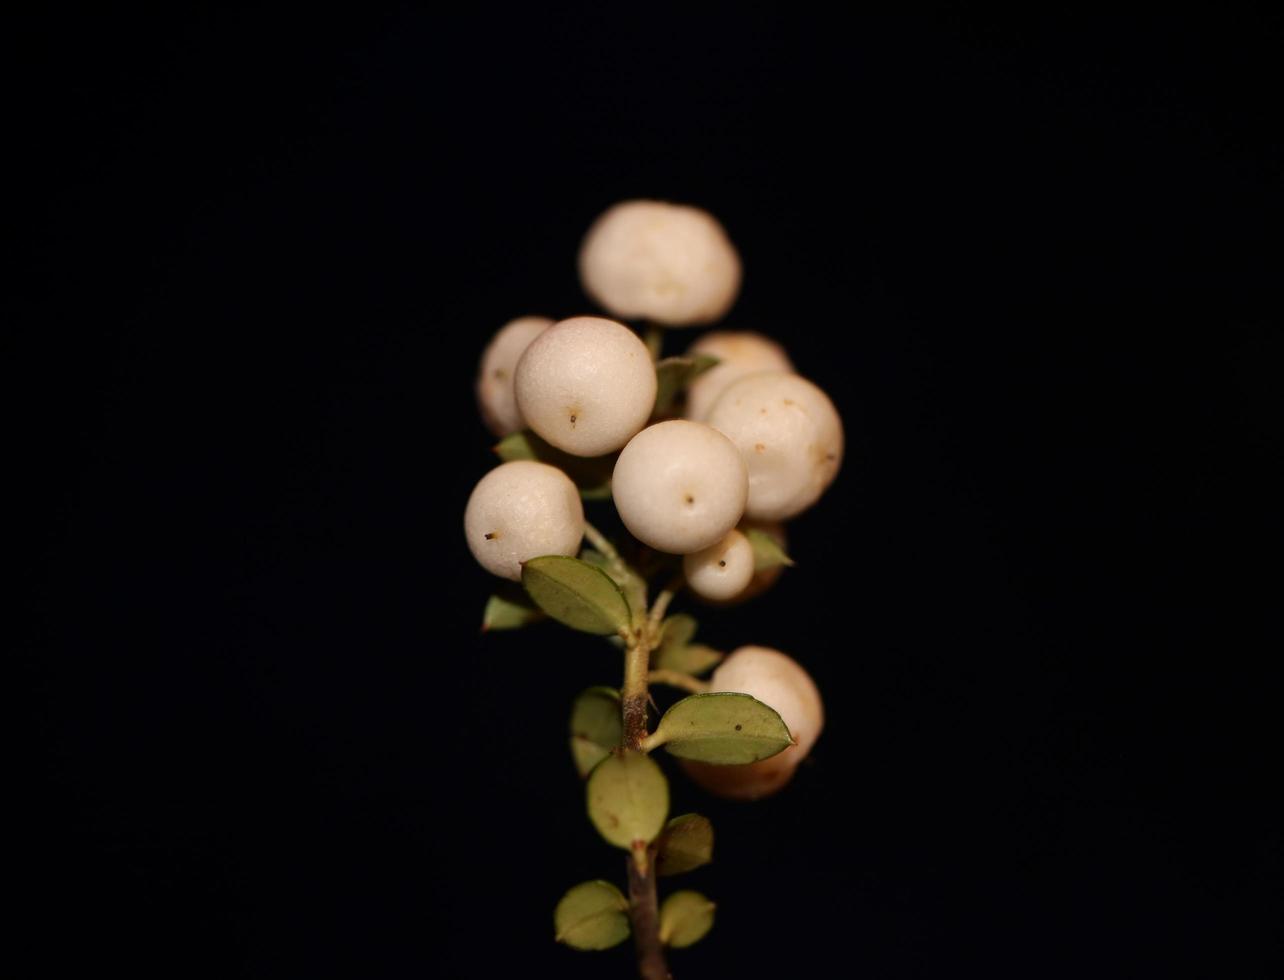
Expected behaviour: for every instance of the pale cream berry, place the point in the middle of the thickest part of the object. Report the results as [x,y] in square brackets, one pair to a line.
[679,486]
[775,679]
[789,435]
[764,579]
[722,570]
[669,263]
[738,353]
[495,394]
[586,385]
[519,511]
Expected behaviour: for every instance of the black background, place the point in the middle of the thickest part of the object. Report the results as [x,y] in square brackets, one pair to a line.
[1036,262]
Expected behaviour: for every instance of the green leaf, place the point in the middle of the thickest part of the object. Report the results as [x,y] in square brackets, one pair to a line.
[592,915]
[685,918]
[630,582]
[673,374]
[685,844]
[591,474]
[509,610]
[576,594]
[677,630]
[596,727]
[766,552]
[722,728]
[676,652]
[695,659]
[628,799]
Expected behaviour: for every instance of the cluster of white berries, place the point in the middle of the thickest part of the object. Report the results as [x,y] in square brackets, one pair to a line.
[758,444]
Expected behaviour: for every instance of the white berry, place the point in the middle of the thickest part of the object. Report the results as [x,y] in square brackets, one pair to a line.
[519,511]
[790,436]
[775,679]
[669,263]
[722,570]
[586,385]
[495,394]
[738,354]
[764,579]
[679,486]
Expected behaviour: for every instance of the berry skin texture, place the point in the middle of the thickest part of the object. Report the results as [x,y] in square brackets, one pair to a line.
[721,571]
[738,354]
[519,511]
[668,263]
[495,396]
[789,435]
[679,486]
[776,679]
[586,385]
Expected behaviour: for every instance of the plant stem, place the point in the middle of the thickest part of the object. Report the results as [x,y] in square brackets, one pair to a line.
[598,540]
[653,337]
[675,678]
[634,695]
[645,913]
[661,604]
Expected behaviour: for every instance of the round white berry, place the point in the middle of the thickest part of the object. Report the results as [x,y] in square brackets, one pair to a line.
[775,679]
[738,354]
[679,486]
[790,436]
[764,579]
[519,511]
[495,394]
[586,385]
[669,263]
[722,570]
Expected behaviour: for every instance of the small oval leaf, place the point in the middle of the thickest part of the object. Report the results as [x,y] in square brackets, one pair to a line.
[766,552]
[673,374]
[722,728]
[591,474]
[592,915]
[630,582]
[678,630]
[576,594]
[677,652]
[596,727]
[509,611]
[628,799]
[685,844]
[685,918]
[695,659]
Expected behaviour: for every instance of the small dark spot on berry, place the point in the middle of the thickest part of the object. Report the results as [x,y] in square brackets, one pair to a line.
[722,563]
[572,420]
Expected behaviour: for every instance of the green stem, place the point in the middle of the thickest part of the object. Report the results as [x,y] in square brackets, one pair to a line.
[653,337]
[598,540]
[661,604]
[635,695]
[675,678]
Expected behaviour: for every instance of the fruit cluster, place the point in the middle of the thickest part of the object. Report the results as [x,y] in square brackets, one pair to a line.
[704,456]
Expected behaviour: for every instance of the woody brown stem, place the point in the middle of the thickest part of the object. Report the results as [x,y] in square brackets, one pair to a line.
[645,913]
[635,696]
